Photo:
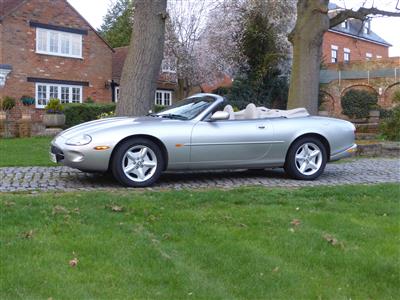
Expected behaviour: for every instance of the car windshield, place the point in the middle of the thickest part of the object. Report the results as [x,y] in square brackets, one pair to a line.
[187,109]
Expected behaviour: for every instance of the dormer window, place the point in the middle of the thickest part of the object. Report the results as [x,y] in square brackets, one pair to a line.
[58,43]
[344,24]
[367,26]
[58,40]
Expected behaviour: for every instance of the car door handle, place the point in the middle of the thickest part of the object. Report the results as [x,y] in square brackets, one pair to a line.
[261,127]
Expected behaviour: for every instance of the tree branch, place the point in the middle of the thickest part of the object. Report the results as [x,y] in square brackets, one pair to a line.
[360,14]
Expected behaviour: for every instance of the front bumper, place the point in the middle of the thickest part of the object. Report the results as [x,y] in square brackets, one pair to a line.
[84,158]
[345,153]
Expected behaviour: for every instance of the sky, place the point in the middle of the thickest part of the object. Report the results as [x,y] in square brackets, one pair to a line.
[386,27]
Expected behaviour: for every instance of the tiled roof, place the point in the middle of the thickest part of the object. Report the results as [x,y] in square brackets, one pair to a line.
[355,29]
[118,60]
[7,6]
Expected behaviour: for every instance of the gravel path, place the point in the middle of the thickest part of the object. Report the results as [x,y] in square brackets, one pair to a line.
[358,171]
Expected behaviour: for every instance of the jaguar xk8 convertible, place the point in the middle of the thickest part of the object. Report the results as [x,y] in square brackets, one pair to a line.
[204,132]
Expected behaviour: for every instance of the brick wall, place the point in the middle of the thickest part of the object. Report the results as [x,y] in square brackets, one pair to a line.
[358,48]
[18,49]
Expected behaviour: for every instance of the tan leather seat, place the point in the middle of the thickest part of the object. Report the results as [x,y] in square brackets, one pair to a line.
[250,112]
[229,109]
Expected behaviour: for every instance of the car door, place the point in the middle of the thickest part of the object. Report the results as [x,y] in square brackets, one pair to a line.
[229,143]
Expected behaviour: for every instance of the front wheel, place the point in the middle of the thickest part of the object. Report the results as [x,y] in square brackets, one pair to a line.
[306,159]
[137,163]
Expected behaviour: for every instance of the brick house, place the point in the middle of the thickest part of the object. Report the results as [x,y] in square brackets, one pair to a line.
[352,40]
[166,85]
[48,50]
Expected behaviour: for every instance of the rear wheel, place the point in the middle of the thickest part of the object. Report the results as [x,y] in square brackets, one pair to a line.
[306,159]
[137,163]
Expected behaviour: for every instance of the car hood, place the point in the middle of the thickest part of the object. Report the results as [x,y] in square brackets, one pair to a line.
[103,124]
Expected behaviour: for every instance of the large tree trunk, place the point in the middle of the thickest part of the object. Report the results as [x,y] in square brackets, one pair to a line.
[306,38]
[142,64]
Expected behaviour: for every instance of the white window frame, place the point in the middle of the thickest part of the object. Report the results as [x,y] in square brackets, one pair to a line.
[116,94]
[367,27]
[70,37]
[346,55]
[379,56]
[163,97]
[344,24]
[368,56]
[334,50]
[59,86]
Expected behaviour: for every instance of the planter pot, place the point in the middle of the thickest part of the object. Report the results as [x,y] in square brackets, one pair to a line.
[54,120]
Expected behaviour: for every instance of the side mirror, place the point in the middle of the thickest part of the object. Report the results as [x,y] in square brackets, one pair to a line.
[219,115]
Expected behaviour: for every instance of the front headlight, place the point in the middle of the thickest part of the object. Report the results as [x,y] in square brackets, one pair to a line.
[79,140]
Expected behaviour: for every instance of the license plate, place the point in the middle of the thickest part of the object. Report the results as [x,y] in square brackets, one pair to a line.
[53,157]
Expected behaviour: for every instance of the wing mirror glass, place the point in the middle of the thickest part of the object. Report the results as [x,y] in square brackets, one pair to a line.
[220,115]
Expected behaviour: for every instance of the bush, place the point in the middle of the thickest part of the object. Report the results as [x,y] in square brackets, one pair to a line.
[356,103]
[7,103]
[54,107]
[158,108]
[79,113]
[390,127]
[396,97]
[89,100]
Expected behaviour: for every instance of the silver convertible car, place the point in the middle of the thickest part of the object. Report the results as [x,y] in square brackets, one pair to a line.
[204,132]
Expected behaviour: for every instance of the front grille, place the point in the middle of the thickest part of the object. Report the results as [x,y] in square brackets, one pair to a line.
[58,152]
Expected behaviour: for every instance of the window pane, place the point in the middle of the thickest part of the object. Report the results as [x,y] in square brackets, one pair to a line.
[65,94]
[65,43]
[53,92]
[76,45]
[41,40]
[76,95]
[42,95]
[167,98]
[53,41]
[158,98]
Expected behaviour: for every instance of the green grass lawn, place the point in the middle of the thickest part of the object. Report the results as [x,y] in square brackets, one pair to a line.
[23,152]
[247,243]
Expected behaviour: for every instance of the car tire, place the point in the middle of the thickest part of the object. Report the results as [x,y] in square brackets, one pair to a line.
[306,159]
[137,162]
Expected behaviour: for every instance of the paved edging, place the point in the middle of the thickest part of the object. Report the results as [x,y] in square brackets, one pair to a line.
[357,171]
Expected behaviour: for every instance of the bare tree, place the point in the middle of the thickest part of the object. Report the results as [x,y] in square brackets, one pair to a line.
[184,29]
[312,22]
[142,64]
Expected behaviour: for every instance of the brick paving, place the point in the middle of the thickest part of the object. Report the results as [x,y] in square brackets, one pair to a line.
[357,171]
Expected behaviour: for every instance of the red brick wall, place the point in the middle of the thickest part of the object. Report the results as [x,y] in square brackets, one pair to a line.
[358,48]
[18,49]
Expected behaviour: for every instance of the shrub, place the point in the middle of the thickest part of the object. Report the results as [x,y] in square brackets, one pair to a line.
[396,96]
[390,127]
[356,103]
[77,113]
[7,103]
[104,115]
[54,107]
[26,100]
[89,100]
[158,108]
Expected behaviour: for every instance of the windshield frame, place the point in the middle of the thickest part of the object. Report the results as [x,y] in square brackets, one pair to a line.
[200,116]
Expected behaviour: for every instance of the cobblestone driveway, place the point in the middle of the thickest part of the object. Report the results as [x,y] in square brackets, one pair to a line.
[360,171]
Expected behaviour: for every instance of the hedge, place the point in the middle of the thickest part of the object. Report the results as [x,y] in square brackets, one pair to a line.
[357,103]
[79,113]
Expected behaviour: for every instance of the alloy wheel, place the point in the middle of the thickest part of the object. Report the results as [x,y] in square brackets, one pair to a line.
[139,163]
